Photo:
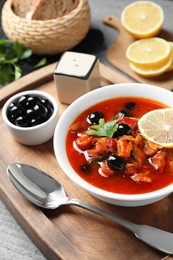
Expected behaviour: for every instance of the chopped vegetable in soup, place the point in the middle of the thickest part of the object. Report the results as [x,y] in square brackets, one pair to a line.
[106,149]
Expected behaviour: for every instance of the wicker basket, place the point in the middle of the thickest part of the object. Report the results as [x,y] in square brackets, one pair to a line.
[46,37]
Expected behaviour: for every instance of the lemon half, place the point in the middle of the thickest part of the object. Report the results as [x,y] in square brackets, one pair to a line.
[142,19]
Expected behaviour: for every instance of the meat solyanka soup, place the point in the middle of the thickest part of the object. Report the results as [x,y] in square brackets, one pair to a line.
[105,147]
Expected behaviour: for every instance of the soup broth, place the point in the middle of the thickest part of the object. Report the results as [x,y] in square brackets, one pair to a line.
[120,162]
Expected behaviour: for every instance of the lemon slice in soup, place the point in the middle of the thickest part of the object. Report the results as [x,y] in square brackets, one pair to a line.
[157,126]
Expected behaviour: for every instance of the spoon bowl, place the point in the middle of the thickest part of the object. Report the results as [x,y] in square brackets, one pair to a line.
[44,191]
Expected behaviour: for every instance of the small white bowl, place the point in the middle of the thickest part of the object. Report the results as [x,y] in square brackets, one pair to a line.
[118,90]
[34,135]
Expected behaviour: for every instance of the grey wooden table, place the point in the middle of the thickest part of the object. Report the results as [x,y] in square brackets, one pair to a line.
[14,243]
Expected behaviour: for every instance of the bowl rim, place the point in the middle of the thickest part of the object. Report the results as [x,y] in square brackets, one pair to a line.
[62,158]
[30,92]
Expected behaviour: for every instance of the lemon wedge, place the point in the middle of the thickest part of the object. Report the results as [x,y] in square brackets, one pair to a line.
[142,19]
[157,126]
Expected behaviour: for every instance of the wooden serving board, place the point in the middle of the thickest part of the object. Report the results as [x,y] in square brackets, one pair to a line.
[70,232]
[117,57]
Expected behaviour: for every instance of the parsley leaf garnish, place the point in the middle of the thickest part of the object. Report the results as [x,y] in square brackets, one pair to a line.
[11,56]
[104,128]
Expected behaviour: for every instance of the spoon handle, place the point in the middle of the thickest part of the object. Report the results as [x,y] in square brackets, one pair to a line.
[157,238]
[131,226]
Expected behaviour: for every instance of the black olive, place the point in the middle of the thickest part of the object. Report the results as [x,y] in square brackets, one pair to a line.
[94,117]
[123,129]
[23,100]
[41,110]
[11,118]
[46,103]
[130,105]
[39,120]
[32,101]
[49,112]
[36,109]
[85,168]
[15,110]
[116,163]
[30,113]
[33,122]
[12,104]
[123,112]
[21,121]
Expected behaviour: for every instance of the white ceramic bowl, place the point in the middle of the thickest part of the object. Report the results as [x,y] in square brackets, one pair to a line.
[84,102]
[36,134]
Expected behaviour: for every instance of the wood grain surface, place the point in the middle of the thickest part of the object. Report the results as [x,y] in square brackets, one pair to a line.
[70,232]
[117,57]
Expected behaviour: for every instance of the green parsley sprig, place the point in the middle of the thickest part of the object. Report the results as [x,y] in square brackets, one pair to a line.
[104,128]
[11,54]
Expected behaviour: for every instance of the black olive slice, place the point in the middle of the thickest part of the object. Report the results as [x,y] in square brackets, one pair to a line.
[85,168]
[94,117]
[123,112]
[130,105]
[116,163]
[123,129]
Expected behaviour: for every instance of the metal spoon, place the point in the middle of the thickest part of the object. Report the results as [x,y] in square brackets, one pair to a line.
[46,192]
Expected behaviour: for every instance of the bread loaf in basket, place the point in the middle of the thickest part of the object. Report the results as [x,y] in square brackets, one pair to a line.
[51,36]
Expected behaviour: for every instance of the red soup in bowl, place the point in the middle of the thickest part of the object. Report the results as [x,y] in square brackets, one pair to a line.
[106,149]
